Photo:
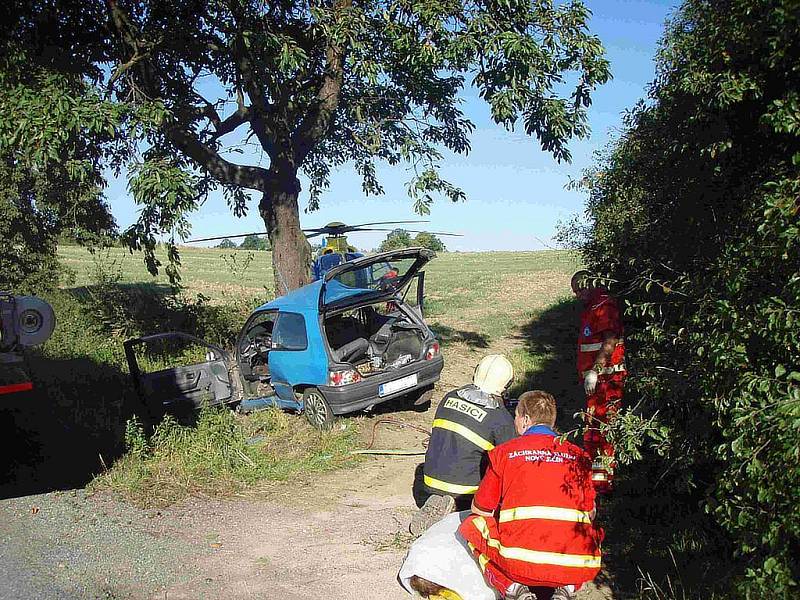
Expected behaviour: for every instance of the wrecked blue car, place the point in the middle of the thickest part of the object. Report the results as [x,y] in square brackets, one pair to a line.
[344,343]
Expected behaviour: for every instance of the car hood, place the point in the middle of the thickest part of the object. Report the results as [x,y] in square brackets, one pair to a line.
[373,277]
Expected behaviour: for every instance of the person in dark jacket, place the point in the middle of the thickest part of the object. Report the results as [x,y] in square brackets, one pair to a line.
[469,421]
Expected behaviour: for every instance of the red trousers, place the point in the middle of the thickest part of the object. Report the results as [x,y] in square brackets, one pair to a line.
[602,405]
[497,579]
[494,576]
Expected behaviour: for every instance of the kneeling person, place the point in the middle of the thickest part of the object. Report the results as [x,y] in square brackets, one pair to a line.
[533,513]
[469,422]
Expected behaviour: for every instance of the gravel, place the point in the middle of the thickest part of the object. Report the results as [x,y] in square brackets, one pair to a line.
[75,545]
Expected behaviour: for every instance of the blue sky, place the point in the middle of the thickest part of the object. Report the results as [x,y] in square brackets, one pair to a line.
[515,191]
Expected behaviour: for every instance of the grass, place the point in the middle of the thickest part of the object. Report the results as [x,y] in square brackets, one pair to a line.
[455,279]
[220,455]
[474,301]
[208,270]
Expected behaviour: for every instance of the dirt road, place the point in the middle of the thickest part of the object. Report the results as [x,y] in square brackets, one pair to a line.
[340,536]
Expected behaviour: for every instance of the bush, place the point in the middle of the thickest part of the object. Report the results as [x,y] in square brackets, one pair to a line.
[135,309]
[400,238]
[694,221]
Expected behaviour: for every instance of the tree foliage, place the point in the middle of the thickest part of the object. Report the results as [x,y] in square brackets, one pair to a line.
[306,87]
[52,134]
[395,240]
[400,238]
[227,244]
[429,241]
[694,219]
[254,242]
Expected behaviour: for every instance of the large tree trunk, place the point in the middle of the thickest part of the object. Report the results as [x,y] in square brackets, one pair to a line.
[291,252]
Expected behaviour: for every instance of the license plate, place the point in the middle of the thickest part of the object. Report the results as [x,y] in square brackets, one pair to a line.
[391,387]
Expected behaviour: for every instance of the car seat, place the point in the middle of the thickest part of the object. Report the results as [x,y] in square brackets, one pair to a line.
[352,350]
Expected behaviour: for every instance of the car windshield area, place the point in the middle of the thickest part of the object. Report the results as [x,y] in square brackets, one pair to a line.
[379,277]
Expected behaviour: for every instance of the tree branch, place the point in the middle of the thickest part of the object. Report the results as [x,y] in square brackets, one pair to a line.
[260,109]
[179,132]
[254,178]
[316,122]
[242,115]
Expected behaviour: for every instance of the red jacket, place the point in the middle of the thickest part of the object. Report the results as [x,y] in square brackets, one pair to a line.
[541,493]
[601,314]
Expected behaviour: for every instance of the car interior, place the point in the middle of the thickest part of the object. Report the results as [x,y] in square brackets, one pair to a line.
[375,338]
[254,349]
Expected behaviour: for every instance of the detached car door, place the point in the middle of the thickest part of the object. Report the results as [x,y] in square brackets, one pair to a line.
[206,380]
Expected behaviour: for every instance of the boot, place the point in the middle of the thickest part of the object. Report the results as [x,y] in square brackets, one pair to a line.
[435,508]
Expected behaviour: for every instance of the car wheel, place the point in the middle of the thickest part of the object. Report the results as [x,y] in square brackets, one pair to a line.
[317,410]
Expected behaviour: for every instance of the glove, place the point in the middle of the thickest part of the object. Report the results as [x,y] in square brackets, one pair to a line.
[590,382]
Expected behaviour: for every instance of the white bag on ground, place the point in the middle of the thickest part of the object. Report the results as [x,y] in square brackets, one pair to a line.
[441,555]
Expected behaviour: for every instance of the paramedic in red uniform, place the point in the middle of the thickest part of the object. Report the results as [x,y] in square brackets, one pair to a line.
[532,528]
[601,369]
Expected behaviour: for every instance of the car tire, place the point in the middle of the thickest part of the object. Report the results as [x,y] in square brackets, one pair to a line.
[317,409]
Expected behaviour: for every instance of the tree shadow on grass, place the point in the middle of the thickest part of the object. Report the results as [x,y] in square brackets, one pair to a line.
[70,427]
[650,532]
[448,335]
[550,341]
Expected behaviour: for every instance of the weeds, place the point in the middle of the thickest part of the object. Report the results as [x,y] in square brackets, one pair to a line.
[217,456]
[399,540]
[671,588]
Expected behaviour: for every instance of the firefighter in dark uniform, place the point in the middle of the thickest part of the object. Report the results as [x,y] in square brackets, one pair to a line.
[469,421]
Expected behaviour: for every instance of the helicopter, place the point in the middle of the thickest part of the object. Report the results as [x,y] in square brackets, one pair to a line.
[335,248]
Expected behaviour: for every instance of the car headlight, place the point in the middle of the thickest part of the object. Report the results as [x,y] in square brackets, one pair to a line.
[343,377]
[433,351]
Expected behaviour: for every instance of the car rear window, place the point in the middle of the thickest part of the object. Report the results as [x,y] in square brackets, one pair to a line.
[382,276]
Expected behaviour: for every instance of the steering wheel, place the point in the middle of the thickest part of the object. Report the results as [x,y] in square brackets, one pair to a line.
[263,342]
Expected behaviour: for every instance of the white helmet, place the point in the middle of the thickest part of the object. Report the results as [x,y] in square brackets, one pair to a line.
[493,374]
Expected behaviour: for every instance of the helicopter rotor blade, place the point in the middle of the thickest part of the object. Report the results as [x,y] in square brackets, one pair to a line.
[435,232]
[413,231]
[344,228]
[314,232]
[386,223]
[224,237]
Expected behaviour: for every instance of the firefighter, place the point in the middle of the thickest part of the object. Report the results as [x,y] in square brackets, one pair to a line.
[601,369]
[469,421]
[531,529]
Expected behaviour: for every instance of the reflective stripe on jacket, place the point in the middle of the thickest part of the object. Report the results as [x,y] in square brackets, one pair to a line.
[541,492]
[461,434]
